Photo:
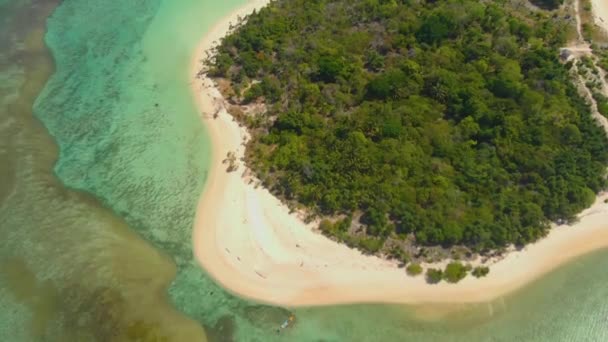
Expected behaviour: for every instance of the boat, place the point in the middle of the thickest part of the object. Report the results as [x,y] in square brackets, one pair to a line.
[287,323]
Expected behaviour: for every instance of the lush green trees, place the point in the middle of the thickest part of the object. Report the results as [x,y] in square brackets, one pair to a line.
[444,122]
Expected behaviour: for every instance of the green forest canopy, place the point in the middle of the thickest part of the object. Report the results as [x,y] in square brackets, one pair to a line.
[449,121]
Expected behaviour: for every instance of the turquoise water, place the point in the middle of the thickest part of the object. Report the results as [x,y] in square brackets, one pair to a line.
[70,270]
[125,130]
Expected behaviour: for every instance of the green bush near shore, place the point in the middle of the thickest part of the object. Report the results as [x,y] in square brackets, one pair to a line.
[396,253]
[480,271]
[454,272]
[434,276]
[414,269]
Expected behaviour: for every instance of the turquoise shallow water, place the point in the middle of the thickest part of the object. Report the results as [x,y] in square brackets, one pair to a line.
[119,109]
[70,269]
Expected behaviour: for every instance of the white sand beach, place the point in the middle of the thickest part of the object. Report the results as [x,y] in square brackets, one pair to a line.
[600,13]
[247,240]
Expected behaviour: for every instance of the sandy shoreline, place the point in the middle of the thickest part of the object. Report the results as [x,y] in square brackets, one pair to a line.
[600,13]
[248,242]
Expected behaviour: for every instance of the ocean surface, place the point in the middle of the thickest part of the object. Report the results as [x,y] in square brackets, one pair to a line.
[102,160]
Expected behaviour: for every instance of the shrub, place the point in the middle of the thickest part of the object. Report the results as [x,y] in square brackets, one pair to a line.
[480,271]
[433,275]
[454,272]
[602,103]
[370,245]
[330,67]
[414,269]
[400,255]
[253,93]
[326,226]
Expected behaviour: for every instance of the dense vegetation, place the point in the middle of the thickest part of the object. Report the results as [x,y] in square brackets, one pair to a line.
[445,122]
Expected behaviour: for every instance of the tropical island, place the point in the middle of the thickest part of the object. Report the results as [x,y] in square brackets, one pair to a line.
[439,134]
